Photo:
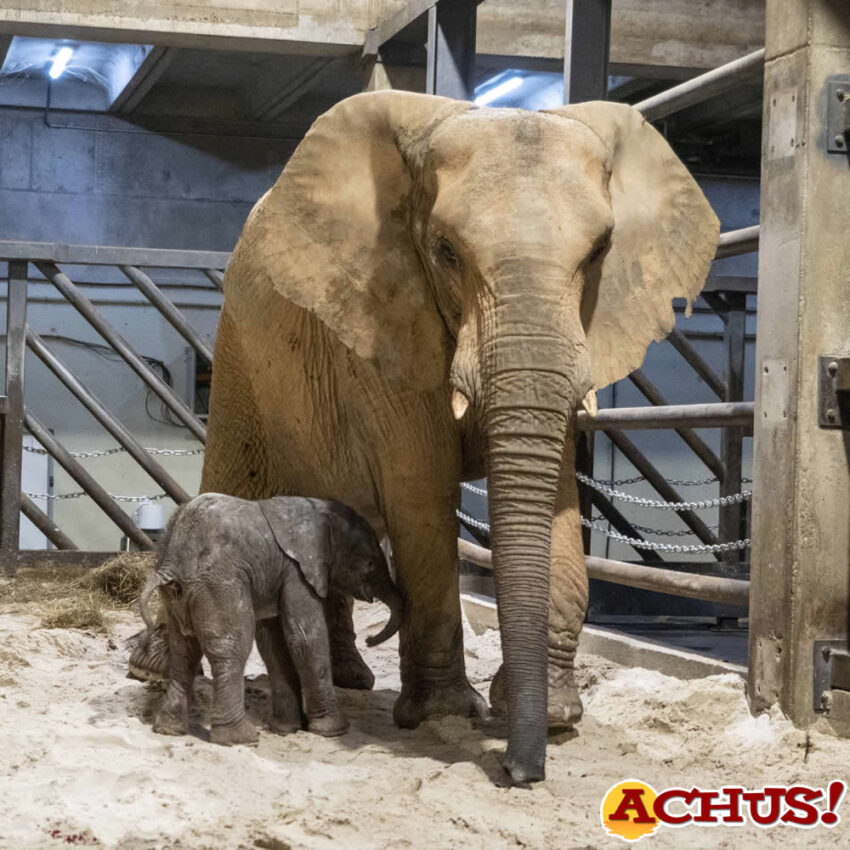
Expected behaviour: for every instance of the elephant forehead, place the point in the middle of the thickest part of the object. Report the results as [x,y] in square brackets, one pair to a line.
[516,137]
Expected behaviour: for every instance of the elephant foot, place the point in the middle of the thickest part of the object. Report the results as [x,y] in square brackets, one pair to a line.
[564,704]
[243,732]
[329,725]
[350,670]
[284,725]
[169,722]
[149,655]
[420,702]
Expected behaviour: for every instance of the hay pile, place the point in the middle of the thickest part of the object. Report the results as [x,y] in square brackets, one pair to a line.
[67,600]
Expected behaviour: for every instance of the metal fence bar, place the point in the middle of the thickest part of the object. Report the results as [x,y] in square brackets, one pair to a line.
[103,500]
[69,290]
[727,591]
[700,88]
[216,277]
[718,415]
[735,242]
[10,492]
[695,360]
[733,517]
[172,315]
[100,412]
[657,481]
[691,438]
[106,255]
[46,525]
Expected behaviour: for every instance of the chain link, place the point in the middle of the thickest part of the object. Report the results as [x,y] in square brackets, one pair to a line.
[735,545]
[735,499]
[473,489]
[58,497]
[117,450]
[475,523]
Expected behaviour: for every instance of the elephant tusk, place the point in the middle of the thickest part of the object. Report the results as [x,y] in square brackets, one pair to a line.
[589,403]
[460,404]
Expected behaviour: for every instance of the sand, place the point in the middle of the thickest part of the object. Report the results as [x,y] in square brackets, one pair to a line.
[79,764]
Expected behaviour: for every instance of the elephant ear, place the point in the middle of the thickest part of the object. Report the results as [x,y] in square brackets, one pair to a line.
[332,235]
[306,537]
[663,241]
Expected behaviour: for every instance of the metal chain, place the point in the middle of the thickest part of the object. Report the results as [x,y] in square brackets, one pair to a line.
[473,489]
[118,450]
[57,497]
[735,499]
[475,523]
[667,547]
[660,532]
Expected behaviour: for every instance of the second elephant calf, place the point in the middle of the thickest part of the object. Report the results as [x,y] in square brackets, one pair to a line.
[230,569]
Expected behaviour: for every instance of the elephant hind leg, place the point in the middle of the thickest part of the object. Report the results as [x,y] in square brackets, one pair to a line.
[287,715]
[236,460]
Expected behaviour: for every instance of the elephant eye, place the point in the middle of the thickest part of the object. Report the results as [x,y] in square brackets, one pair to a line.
[599,248]
[446,254]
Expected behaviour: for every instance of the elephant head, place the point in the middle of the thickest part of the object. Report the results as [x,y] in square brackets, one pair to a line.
[513,261]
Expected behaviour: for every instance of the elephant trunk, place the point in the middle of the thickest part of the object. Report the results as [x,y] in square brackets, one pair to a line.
[392,598]
[534,375]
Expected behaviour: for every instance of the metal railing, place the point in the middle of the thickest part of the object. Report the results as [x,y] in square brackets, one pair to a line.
[16,415]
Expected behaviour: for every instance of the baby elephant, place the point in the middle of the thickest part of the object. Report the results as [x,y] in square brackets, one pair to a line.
[230,569]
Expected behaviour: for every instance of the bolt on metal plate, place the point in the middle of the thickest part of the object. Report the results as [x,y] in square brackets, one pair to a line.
[834,391]
[837,114]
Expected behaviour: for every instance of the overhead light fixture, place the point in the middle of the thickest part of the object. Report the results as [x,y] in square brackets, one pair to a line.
[60,62]
[499,90]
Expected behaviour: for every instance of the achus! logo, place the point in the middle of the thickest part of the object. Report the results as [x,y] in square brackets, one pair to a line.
[633,809]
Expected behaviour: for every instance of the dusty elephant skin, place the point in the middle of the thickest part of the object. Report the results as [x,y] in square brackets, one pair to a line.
[231,570]
[426,295]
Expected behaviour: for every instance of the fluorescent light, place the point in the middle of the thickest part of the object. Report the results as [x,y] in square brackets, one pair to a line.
[60,62]
[499,90]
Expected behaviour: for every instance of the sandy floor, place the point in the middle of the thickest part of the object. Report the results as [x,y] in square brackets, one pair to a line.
[79,764]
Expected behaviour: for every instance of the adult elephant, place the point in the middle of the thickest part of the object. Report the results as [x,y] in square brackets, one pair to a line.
[426,295]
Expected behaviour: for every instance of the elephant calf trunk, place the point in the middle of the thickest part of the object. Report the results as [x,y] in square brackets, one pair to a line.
[394,602]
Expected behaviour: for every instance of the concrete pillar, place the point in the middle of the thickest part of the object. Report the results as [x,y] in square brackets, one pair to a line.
[801,508]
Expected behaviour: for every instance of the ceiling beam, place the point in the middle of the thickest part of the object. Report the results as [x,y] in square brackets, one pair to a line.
[151,68]
[277,103]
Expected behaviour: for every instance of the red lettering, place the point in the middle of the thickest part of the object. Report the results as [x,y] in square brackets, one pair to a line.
[732,805]
[632,802]
[774,795]
[660,806]
[799,798]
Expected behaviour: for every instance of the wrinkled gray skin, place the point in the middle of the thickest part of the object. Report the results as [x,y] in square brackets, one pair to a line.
[230,570]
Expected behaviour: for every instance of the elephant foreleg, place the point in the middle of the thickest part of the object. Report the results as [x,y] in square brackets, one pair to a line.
[349,668]
[433,678]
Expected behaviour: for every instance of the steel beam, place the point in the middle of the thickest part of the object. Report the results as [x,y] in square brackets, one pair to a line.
[107,255]
[13,417]
[728,591]
[451,49]
[719,415]
[216,278]
[586,46]
[100,412]
[76,470]
[800,529]
[734,242]
[702,87]
[92,315]
[174,317]
[695,360]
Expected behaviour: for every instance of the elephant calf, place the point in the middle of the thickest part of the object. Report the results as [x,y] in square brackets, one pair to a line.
[230,569]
